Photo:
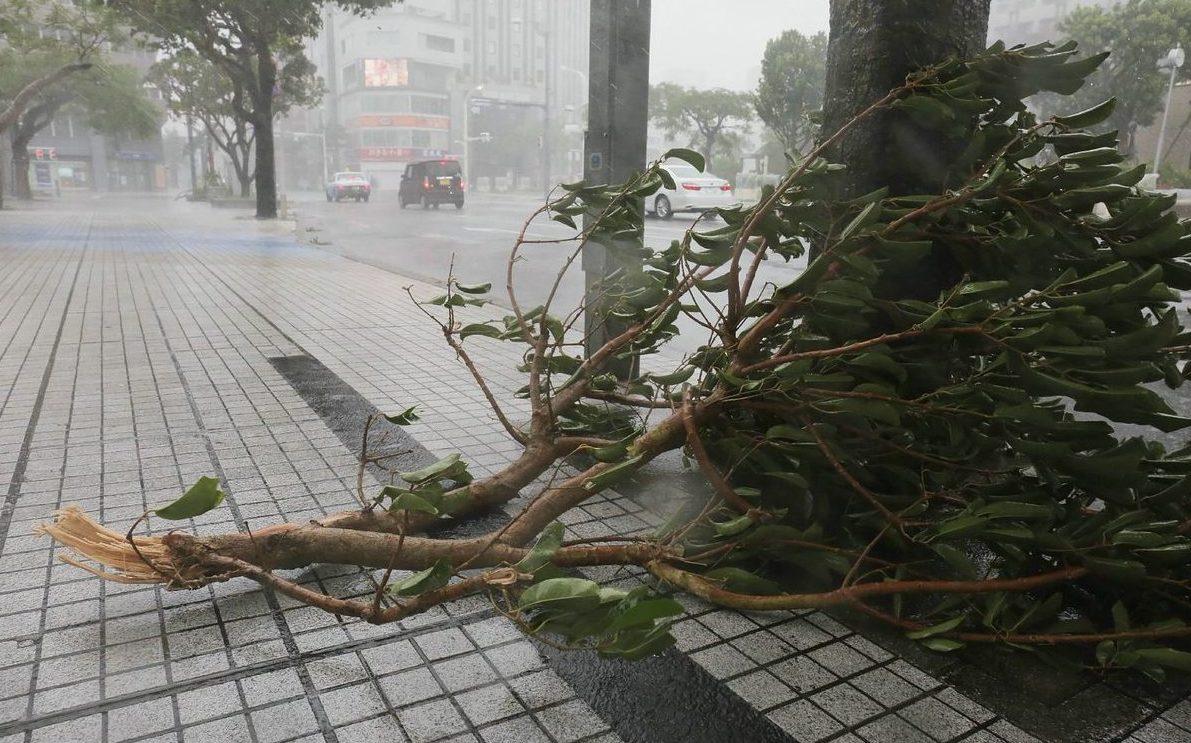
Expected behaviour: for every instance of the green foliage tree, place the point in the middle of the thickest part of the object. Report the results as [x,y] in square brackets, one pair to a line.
[790,91]
[42,47]
[257,45]
[106,98]
[708,117]
[1138,33]
[948,465]
[195,89]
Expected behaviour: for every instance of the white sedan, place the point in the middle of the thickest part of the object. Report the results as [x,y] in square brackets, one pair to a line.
[693,191]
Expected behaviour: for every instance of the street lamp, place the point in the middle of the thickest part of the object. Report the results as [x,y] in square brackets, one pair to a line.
[1172,61]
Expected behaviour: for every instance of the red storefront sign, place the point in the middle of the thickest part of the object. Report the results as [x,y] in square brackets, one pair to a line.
[405,120]
[45,153]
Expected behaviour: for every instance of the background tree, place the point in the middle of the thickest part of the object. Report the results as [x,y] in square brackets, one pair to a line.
[1138,33]
[257,44]
[194,88]
[707,117]
[793,73]
[42,46]
[106,98]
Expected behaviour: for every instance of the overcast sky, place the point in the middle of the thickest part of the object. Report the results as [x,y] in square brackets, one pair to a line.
[719,43]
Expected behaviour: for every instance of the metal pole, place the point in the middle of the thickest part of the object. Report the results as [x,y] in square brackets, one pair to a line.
[549,74]
[190,153]
[466,141]
[614,145]
[326,162]
[1165,114]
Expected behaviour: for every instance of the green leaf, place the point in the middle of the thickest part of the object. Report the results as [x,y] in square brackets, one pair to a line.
[405,500]
[479,328]
[473,288]
[405,417]
[645,613]
[1124,571]
[435,576]
[676,377]
[1089,116]
[557,590]
[613,474]
[200,498]
[937,629]
[687,155]
[942,644]
[1015,510]
[732,527]
[543,550]
[431,471]
[1169,657]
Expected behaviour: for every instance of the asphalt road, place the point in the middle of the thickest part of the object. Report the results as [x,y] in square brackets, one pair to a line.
[420,244]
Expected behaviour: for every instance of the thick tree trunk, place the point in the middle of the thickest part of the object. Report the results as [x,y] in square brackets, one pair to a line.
[21,136]
[262,124]
[873,45]
[20,172]
[266,173]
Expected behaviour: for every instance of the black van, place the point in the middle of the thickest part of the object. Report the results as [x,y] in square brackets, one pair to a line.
[432,182]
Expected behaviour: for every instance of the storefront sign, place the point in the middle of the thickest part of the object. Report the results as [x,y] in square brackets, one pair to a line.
[404,120]
[386,73]
[398,154]
[135,155]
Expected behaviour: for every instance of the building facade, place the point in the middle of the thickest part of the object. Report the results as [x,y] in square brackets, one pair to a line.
[401,81]
[1031,21]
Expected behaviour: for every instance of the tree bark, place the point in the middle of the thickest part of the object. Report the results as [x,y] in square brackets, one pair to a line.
[873,45]
[20,173]
[266,164]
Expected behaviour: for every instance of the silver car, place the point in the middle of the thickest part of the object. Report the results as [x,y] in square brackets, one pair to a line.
[693,191]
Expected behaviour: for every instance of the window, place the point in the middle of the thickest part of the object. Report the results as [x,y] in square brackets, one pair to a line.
[425,104]
[439,43]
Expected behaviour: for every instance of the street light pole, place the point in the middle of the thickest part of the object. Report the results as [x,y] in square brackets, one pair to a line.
[548,76]
[614,146]
[1173,60]
[467,134]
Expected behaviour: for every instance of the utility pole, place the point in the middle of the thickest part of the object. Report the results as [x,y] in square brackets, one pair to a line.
[548,65]
[194,184]
[614,144]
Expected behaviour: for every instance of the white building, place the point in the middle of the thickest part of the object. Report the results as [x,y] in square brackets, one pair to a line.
[397,81]
[1030,21]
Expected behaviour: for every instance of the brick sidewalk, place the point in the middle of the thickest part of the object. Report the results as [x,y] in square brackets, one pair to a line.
[138,353]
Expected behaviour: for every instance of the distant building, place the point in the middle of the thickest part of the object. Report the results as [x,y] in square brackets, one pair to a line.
[397,82]
[1030,21]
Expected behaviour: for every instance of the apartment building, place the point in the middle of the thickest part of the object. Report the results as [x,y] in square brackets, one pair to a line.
[1030,21]
[400,82]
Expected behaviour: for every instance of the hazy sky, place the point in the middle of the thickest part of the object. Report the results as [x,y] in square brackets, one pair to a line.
[719,43]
